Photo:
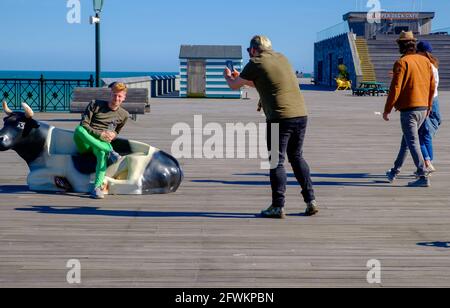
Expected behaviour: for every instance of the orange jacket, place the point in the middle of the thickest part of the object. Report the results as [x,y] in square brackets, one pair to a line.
[413,84]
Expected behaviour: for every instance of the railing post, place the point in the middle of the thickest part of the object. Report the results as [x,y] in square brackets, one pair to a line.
[91,81]
[42,100]
[97,52]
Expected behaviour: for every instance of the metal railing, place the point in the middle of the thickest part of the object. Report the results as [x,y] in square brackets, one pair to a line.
[43,95]
[333,31]
[441,31]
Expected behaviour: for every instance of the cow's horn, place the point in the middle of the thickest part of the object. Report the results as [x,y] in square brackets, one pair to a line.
[28,111]
[6,108]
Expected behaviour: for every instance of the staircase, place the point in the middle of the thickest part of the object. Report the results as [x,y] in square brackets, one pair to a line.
[384,52]
[367,67]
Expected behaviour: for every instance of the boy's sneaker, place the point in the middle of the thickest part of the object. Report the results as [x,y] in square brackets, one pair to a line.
[423,181]
[274,212]
[97,193]
[113,157]
[392,175]
[311,208]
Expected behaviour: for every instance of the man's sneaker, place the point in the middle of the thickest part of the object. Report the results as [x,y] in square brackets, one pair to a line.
[113,157]
[311,208]
[427,174]
[392,175]
[423,181]
[97,193]
[274,212]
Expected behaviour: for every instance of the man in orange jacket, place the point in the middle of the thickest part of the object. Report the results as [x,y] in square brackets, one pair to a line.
[411,93]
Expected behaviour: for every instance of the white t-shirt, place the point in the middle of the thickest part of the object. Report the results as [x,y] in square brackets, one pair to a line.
[436,78]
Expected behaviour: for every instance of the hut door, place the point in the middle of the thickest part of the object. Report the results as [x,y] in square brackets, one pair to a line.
[196,78]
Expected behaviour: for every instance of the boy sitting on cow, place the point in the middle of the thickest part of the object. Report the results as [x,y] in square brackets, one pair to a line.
[100,125]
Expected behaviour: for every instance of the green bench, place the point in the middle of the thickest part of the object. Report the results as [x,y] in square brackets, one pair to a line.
[371,88]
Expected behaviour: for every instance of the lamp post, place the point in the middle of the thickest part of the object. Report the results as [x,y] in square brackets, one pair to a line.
[98,5]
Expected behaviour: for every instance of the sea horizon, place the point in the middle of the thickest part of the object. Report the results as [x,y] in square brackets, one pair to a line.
[85,75]
[32,74]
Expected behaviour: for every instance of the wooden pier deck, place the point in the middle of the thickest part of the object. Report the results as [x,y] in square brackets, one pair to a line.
[208,234]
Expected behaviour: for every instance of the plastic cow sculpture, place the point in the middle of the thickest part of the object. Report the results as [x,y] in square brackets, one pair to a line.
[55,164]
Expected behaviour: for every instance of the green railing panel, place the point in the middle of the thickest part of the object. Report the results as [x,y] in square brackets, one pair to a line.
[42,95]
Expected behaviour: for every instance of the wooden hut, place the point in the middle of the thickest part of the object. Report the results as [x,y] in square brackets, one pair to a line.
[201,70]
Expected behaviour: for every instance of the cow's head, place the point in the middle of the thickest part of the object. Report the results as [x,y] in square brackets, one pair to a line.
[17,127]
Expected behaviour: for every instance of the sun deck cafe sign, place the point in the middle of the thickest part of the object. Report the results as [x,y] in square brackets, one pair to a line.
[397,16]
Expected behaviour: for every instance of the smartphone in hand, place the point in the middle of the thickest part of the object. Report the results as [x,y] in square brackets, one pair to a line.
[230,65]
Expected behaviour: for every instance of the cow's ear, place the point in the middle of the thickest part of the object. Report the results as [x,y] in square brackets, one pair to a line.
[30,124]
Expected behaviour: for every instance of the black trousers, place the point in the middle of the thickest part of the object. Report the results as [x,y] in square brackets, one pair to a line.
[291,136]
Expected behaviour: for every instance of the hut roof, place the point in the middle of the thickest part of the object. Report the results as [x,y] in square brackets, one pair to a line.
[210,52]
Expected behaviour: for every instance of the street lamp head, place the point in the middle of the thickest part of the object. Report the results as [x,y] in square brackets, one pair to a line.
[98,5]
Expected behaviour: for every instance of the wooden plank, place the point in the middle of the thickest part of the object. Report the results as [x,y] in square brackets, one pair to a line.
[133,108]
[208,234]
[88,94]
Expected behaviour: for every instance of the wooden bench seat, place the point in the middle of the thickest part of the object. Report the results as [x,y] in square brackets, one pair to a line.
[137,101]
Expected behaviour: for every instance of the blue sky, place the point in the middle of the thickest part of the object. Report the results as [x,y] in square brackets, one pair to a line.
[145,35]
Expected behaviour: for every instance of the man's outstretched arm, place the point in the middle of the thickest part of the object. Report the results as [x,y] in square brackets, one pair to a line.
[234,81]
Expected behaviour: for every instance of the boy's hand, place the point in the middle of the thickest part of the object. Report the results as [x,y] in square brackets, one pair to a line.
[235,74]
[108,136]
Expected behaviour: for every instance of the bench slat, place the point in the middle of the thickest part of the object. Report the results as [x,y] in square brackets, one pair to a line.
[133,108]
[137,101]
[89,94]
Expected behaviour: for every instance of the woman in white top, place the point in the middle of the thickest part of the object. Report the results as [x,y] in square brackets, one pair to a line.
[432,123]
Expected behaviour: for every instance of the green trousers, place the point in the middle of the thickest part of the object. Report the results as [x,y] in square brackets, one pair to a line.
[86,143]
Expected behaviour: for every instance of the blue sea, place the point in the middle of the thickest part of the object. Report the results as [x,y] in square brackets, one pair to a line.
[83,75]
[75,75]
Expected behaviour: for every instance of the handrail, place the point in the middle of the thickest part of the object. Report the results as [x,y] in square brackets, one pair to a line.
[333,31]
[443,30]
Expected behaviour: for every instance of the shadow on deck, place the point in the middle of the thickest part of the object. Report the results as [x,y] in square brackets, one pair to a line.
[95,211]
[373,180]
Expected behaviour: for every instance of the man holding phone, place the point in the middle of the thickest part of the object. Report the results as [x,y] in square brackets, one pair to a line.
[283,104]
[233,71]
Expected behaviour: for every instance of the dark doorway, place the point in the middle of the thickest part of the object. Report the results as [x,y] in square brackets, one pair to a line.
[399,30]
[330,59]
[320,71]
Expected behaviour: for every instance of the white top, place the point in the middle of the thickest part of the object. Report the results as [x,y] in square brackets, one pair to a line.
[436,78]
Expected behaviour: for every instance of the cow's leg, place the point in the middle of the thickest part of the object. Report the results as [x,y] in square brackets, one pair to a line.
[80,182]
[132,185]
[42,180]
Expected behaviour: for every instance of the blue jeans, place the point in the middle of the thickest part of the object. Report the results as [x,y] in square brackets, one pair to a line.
[411,121]
[291,136]
[428,130]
